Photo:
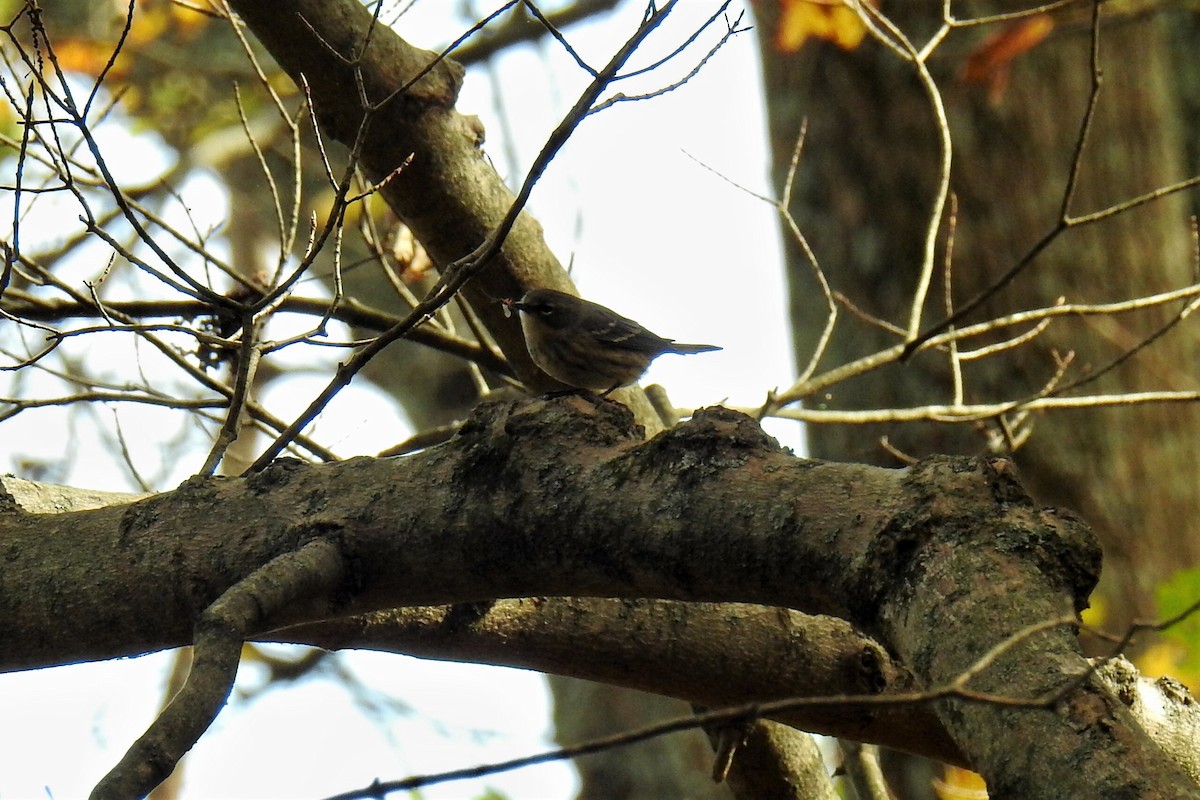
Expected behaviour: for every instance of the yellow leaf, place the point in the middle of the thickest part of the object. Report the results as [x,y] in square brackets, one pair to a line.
[149,23]
[831,20]
[1162,658]
[960,784]
[1096,613]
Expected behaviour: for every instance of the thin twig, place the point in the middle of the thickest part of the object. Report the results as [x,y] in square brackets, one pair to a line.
[1063,223]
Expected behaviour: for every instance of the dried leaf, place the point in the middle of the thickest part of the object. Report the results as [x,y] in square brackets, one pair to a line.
[989,63]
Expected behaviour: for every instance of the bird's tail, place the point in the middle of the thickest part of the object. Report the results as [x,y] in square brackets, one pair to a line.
[678,347]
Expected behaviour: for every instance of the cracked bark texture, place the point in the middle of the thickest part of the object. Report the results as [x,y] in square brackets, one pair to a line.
[941,562]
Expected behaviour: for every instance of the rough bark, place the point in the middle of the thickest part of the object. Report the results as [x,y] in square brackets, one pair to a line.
[494,498]
[941,562]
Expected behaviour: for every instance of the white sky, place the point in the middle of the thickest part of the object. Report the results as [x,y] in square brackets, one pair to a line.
[651,234]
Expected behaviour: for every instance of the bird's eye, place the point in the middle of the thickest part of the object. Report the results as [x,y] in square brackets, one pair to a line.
[545,310]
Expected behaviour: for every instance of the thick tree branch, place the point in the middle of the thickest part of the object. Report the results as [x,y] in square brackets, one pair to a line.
[456,275]
[941,562]
[307,576]
[711,654]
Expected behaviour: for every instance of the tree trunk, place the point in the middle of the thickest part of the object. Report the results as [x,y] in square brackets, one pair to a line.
[863,196]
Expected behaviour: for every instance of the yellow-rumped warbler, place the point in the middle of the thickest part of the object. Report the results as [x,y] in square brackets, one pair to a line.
[586,345]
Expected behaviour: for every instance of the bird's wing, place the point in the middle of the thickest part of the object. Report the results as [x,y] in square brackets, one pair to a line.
[626,333]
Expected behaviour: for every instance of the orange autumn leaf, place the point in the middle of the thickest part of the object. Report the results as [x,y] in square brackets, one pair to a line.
[996,53]
[155,21]
[80,54]
[150,23]
[831,20]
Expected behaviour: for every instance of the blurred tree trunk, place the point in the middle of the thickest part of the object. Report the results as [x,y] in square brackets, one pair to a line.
[675,766]
[863,196]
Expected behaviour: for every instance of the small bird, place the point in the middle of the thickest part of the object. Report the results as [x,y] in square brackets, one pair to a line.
[586,345]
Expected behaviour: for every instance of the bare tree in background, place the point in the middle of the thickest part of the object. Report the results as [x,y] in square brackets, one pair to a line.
[932,608]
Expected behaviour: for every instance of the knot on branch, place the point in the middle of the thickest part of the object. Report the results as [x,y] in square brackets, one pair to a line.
[1064,548]
[1068,553]
[276,475]
[714,440]
[732,430]
[558,420]
[970,517]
